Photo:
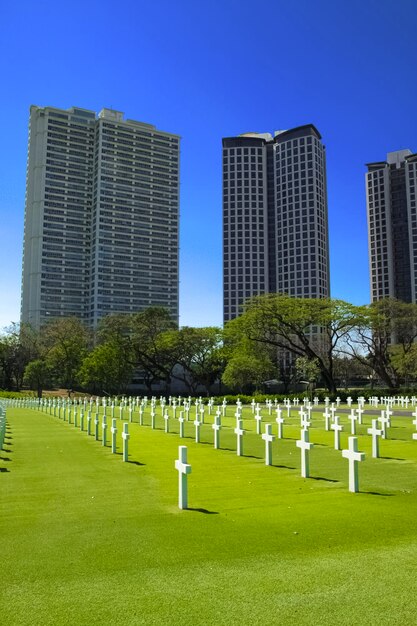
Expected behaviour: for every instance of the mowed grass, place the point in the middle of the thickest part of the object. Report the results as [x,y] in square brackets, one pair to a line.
[88,539]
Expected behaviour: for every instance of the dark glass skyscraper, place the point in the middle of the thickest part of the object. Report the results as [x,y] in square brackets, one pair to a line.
[392,226]
[275,227]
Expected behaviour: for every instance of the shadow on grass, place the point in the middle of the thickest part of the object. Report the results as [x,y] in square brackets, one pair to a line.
[377,493]
[289,467]
[4,469]
[391,458]
[5,458]
[128,461]
[205,511]
[6,450]
[327,480]
[245,456]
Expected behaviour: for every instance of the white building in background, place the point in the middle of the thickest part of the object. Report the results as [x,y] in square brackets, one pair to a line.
[275,224]
[101,216]
[392,226]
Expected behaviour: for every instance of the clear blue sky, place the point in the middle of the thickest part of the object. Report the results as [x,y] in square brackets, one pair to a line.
[206,70]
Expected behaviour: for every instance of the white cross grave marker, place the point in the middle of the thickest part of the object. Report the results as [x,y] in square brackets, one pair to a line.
[268,437]
[181,420]
[166,418]
[305,446]
[337,429]
[125,437]
[258,418]
[353,457]
[113,435]
[326,416]
[96,423]
[305,424]
[216,427]
[239,432]
[104,431]
[384,421]
[353,418]
[375,432]
[197,425]
[280,422]
[183,469]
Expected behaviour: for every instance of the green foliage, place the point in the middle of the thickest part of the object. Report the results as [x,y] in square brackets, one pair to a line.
[65,342]
[152,355]
[38,375]
[245,370]
[13,358]
[345,343]
[16,394]
[311,328]
[307,368]
[378,327]
[105,369]
[198,352]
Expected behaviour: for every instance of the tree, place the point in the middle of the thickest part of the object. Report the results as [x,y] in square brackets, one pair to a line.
[105,369]
[380,326]
[245,370]
[116,329]
[151,353]
[309,370]
[13,359]
[199,353]
[303,327]
[347,370]
[38,375]
[65,343]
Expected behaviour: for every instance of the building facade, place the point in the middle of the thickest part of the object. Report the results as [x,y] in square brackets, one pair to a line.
[392,226]
[275,225]
[101,216]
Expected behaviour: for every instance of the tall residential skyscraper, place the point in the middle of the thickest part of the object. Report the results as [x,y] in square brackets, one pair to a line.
[101,216]
[392,226]
[275,229]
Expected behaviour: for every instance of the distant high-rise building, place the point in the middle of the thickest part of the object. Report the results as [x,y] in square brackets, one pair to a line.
[392,226]
[101,216]
[275,228]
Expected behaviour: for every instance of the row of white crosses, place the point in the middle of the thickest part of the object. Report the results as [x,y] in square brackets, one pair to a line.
[304,443]
[2,424]
[64,406]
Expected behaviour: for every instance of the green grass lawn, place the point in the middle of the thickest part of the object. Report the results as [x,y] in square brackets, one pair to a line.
[88,539]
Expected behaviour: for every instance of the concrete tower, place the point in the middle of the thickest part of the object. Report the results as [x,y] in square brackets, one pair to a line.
[101,216]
